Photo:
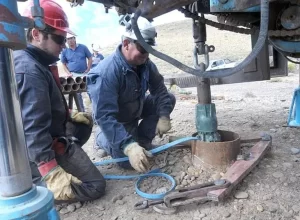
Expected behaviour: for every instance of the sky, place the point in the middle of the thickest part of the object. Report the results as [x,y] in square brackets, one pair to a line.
[92,25]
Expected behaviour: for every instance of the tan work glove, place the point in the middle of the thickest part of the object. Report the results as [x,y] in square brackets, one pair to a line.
[137,156]
[58,181]
[163,125]
[82,117]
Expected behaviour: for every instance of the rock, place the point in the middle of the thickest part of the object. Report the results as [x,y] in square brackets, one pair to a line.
[277,174]
[273,130]
[120,202]
[295,151]
[177,179]
[191,170]
[216,176]
[177,187]
[187,159]
[172,162]
[267,197]
[71,208]
[260,208]
[197,173]
[296,208]
[184,183]
[288,215]
[226,214]
[115,198]
[101,207]
[202,215]
[78,205]
[161,190]
[241,195]
[64,211]
[285,184]
[272,207]
[58,207]
[251,192]
[101,153]
[182,175]
[288,165]
[293,179]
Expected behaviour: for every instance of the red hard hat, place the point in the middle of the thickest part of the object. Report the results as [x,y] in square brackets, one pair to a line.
[54,15]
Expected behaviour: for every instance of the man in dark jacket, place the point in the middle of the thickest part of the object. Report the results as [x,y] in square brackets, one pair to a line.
[117,88]
[53,138]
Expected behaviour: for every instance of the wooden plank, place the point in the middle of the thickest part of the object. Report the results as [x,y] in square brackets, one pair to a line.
[240,169]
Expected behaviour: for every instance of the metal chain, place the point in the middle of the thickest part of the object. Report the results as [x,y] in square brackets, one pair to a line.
[226,18]
[271,33]
[189,14]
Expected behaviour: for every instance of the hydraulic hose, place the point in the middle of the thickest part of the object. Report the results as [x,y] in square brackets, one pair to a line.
[264,20]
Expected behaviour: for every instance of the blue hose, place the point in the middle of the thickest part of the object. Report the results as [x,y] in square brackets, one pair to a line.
[155,172]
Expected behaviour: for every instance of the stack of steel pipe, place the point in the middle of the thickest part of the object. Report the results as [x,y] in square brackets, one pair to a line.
[73,84]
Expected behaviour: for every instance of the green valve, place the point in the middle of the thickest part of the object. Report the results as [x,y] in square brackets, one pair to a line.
[206,123]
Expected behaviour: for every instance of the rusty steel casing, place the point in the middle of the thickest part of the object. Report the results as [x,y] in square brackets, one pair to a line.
[217,155]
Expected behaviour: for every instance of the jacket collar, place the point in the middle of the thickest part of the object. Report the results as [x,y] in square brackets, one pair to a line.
[41,56]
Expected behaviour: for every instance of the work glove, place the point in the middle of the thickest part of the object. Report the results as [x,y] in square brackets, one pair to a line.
[58,181]
[163,125]
[82,117]
[137,156]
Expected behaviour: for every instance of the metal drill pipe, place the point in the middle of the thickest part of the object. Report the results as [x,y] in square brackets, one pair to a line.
[63,81]
[75,87]
[70,81]
[15,174]
[78,79]
[68,88]
[83,86]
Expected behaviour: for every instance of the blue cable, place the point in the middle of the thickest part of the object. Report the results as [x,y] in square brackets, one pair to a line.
[155,172]
[153,151]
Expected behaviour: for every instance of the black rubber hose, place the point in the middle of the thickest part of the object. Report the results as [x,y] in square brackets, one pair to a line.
[264,20]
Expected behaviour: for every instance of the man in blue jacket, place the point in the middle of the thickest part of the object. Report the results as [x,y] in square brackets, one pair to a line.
[53,138]
[117,88]
[76,60]
[97,56]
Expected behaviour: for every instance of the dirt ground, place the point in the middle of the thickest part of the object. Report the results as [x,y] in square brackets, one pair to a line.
[270,191]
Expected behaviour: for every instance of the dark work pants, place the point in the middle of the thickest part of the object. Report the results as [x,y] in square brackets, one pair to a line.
[142,132]
[76,162]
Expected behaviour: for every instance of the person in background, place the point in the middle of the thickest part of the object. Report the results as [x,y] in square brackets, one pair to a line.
[53,138]
[97,56]
[117,87]
[76,60]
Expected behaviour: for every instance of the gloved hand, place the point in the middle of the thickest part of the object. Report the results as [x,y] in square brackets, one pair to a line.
[163,125]
[58,181]
[138,156]
[82,117]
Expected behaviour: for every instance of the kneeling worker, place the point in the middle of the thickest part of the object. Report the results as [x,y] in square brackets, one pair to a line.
[53,138]
[117,88]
